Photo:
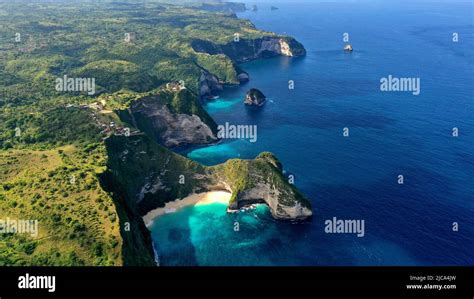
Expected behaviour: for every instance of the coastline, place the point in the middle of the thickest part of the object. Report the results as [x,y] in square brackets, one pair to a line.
[194,199]
[211,197]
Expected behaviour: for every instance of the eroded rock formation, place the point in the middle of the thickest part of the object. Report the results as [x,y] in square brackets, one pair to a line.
[167,118]
[255,97]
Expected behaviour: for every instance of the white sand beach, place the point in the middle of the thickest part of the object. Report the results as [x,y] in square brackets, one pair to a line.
[191,200]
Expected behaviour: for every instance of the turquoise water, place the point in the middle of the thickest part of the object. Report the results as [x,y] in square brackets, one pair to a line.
[350,177]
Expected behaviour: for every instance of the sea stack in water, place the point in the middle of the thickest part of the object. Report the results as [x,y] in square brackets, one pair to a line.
[255,97]
[348,48]
[243,77]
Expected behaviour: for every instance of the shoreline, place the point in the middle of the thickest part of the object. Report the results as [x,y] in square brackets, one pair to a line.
[194,199]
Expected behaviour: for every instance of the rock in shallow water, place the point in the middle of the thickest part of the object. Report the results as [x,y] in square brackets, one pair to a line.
[255,97]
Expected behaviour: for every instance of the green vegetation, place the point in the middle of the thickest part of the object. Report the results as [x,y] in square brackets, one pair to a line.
[54,164]
[137,161]
[133,47]
[243,175]
[78,223]
[237,174]
[219,65]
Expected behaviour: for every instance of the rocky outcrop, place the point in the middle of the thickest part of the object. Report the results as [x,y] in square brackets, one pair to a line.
[273,197]
[254,97]
[261,181]
[251,49]
[243,77]
[209,85]
[179,129]
[165,117]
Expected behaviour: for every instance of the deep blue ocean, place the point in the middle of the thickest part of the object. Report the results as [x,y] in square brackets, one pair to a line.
[355,177]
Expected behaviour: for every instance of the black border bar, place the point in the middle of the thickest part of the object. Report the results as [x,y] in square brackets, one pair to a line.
[223,282]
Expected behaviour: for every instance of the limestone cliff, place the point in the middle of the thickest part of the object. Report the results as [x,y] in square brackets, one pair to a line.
[173,118]
[230,7]
[150,174]
[153,175]
[251,49]
[209,84]
[261,181]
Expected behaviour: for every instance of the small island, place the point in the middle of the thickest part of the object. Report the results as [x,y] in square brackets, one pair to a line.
[255,97]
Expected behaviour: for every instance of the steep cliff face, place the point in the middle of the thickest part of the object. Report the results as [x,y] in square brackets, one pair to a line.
[150,174]
[209,84]
[137,249]
[230,7]
[282,203]
[173,118]
[251,49]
